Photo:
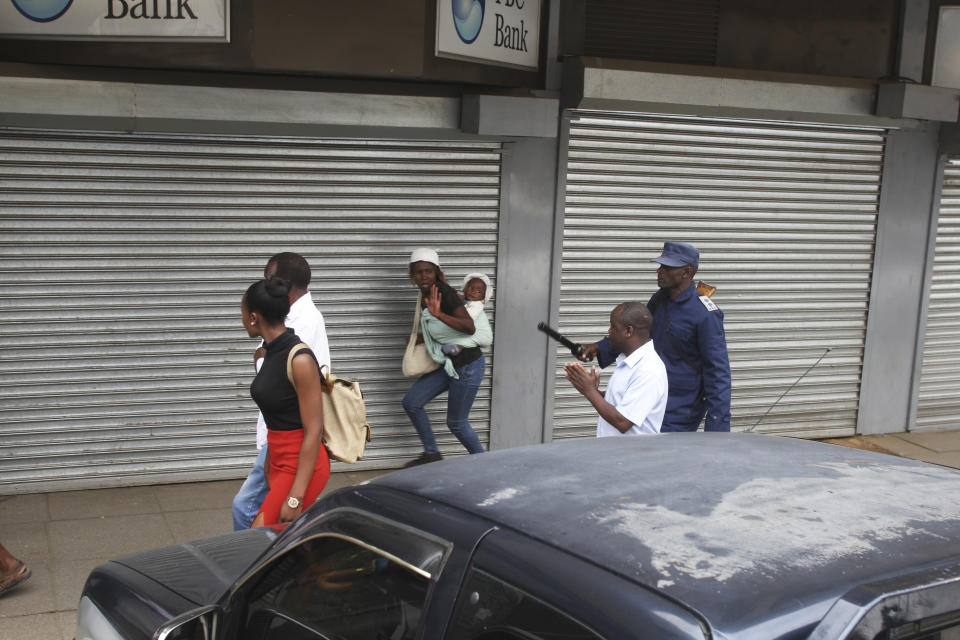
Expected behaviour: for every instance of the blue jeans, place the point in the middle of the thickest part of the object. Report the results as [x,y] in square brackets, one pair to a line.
[252,493]
[460,399]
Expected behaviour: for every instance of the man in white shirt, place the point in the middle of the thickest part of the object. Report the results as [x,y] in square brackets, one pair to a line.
[636,396]
[307,322]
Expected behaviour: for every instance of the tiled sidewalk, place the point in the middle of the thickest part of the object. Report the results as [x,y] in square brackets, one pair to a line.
[62,536]
[939,447]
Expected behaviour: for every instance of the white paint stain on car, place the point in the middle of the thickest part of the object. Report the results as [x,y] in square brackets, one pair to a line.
[503,494]
[806,521]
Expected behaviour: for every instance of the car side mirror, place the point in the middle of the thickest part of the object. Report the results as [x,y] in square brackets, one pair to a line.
[197,624]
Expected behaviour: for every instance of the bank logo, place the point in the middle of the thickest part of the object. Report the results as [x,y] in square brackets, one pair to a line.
[42,10]
[468,18]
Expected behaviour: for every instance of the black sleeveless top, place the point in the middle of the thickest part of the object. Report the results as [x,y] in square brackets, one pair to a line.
[271,389]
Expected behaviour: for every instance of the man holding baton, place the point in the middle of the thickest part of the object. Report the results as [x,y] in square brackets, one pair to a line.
[688,335]
[636,395]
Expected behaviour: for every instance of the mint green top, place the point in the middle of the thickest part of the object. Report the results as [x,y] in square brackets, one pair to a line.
[437,333]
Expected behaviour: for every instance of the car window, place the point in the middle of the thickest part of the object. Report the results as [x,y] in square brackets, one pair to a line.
[491,609]
[333,588]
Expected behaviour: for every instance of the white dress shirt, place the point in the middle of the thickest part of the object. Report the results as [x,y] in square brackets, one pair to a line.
[307,322]
[638,390]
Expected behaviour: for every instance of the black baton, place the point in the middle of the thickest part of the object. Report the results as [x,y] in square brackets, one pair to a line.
[575,348]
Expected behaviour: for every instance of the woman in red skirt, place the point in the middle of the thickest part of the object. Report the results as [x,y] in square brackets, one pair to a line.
[297,464]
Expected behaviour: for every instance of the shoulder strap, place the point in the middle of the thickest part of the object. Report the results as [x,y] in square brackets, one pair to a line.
[416,317]
[326,378]
[293,352]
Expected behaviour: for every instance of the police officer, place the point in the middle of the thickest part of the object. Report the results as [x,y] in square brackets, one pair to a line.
[688,335]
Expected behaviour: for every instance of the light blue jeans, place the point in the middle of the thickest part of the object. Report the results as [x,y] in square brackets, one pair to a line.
[252,493]
[460,399]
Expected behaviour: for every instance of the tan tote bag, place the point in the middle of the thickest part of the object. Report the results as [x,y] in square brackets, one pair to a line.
[416,359]
[345,429]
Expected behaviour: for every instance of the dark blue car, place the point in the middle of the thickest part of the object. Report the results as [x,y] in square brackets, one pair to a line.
[687,535]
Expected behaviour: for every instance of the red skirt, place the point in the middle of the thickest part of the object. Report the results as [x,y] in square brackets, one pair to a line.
[284,453]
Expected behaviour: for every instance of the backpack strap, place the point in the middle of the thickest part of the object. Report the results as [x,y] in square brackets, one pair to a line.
[326,378]
[293,352]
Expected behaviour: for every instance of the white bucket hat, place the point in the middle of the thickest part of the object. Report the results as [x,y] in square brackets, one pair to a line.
[470,276]
[424,254]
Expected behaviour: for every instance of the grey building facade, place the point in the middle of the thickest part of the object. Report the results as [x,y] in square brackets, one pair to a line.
[146,183]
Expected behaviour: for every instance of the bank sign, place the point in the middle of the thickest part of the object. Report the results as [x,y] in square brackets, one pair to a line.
[198,20]
[501,32]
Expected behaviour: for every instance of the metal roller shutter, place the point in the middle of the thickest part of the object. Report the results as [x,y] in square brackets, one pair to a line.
[122,357]
[784,216]
[938,405]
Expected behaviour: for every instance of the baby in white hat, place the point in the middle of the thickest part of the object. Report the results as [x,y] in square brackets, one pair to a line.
[477,290]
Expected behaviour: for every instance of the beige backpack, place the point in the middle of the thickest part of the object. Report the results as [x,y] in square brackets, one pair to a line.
[345,429]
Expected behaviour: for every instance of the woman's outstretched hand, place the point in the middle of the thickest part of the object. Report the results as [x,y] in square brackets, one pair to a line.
[458,320]
[433,301]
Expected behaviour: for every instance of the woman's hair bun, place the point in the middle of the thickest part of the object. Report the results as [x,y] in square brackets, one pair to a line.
[277,287]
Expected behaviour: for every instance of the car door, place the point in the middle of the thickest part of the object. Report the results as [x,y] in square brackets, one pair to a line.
[517,588]
[353,576]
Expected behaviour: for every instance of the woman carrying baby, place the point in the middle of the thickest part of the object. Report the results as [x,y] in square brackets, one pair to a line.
[445,320]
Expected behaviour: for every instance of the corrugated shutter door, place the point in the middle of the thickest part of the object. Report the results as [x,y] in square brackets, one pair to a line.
[938,405]
[784,217]
[122,357]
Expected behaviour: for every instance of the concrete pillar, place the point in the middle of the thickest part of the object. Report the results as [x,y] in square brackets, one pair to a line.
[905,221]
[525,256]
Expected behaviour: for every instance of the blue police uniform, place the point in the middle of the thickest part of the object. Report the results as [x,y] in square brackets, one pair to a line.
[688,336]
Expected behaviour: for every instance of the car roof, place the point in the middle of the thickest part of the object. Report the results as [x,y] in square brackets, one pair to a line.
[758,533]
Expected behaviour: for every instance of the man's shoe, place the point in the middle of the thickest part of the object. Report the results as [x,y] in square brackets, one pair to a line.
[424,458]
